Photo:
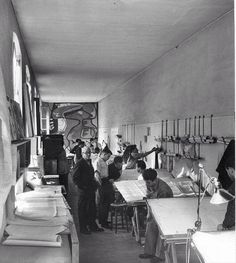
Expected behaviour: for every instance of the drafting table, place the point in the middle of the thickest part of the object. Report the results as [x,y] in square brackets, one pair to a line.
[129,174]
[175,215]
[215,247]
[134,191]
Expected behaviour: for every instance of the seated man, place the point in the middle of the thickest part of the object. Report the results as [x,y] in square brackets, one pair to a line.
[156,188]
[229,220]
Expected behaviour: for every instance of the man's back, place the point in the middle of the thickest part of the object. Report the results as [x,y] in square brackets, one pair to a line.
[162,190]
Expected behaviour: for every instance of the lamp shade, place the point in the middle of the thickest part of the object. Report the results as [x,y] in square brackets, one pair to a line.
[221,196]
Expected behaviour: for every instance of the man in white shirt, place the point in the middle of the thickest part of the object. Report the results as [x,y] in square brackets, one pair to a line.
[101,175]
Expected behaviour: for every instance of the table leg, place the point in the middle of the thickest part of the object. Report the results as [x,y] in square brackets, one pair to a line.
[166,252]
[138,239]
[173,253]
[135,223]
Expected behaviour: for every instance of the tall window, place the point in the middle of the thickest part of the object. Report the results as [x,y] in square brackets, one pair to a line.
[17,70]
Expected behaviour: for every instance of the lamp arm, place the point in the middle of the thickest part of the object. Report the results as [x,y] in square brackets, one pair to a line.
[204,193]
[198,223]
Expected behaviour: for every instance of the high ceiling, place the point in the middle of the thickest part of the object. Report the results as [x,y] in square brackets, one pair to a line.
[83,50]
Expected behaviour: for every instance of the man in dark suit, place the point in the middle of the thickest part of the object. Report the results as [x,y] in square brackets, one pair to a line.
[83,177]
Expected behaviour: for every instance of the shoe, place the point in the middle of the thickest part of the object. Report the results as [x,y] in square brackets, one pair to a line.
[97,229]
[85,232]
[157,260]
[105,225]
[144,255]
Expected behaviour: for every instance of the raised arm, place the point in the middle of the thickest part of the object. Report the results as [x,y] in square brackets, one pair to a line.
[154,149]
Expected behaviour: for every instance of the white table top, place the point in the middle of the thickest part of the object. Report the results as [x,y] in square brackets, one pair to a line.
[175,215]
[215,247]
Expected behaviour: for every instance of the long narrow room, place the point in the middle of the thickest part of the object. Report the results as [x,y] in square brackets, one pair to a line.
[117,131]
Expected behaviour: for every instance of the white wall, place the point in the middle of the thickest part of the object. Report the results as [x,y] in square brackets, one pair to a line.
[8,25]
[195,79]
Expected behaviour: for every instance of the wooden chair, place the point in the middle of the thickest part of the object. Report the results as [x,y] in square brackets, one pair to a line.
[118,211]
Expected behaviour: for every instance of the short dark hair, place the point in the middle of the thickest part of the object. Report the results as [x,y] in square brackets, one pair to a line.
[81,143]
[128,151]
[97,150]
[141,164]
[150,174]
[106,150]
[118,159]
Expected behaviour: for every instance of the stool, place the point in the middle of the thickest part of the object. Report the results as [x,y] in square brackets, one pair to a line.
[116,210]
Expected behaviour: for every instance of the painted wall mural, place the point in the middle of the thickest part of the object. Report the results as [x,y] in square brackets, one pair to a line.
[74,120]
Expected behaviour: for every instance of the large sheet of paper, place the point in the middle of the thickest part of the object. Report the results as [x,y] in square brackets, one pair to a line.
[216,247]
[132,190]
[38,194]
[43,233]
[55,221]
[175,215]
[45,188]
[36,213]
[41,204]
[16,242]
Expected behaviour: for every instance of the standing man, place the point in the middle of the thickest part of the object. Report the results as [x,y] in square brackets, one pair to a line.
[83,177]
[115,169]
[229,220]
[101,175]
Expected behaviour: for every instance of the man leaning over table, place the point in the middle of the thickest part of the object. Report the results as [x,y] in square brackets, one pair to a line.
[156,188]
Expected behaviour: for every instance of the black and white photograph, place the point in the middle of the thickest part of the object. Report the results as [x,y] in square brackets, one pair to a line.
[117,131]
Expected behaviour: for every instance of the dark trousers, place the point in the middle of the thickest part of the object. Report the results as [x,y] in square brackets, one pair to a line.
[86,209]
[105,198]
[63,180]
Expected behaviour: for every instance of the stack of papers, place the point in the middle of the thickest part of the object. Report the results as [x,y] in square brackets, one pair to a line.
[40,204]
[40,215]
[33,236]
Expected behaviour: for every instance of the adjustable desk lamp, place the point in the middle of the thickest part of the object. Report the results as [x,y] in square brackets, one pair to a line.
[220,196]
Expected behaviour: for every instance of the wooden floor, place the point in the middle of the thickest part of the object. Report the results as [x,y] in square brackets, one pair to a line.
[108,247]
